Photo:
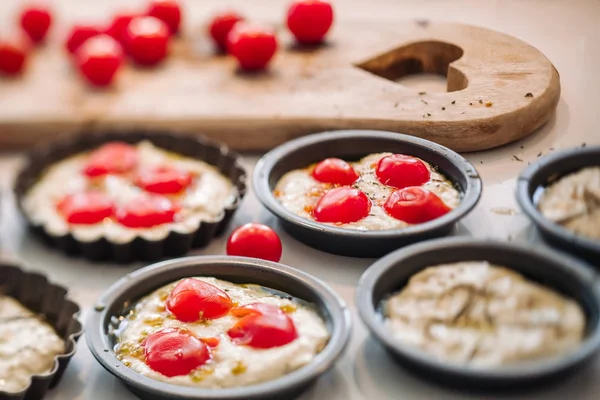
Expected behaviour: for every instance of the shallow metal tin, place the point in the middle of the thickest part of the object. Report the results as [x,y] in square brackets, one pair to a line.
[175,244]
[562,273]
[544,172]
[49,301]
[352,145]
[235,269]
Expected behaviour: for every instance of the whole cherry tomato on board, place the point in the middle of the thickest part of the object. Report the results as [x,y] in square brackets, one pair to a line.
[118,26]
[99,59]
[111,158]
[336,171]
[220,27]
[253,46]
[147,40]
[163,180]
[14,52]
[192,300]
[86,208]
[400,171]
[36,19]
[79,34]
[262,326]
[343,205]
[310,20]
[256,241]
[147,211]
[415,205]
[168,11]
[172,352]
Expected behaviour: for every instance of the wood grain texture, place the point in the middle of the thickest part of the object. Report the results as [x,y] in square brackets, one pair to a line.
[345,84]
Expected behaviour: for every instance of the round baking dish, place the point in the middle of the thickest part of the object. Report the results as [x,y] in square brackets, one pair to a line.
[566,275]
[234,269]
[544,172]
[352,145]
[50,302]
[175,244]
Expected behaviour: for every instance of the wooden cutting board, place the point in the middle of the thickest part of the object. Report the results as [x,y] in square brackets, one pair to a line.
[500,89]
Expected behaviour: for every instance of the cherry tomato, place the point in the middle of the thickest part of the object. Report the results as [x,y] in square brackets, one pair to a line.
[310,20]
[86,208]
[168,11]
[256,241]
[79,34]
[147,40]
[164,180]
[35,21]
[119,25]
[252,46]
[263,327]
[147,211]
[220,27]
[400,171]
[415,205]
[171,352]
[334,170]
[14,52]
[342,205]
[99,59]
[111,158]
[193,299]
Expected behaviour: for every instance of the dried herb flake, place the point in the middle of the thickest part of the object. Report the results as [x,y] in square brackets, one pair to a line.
[422,93]
[424,102]
[443,108]
[516,158]
[529,95]
[480,101]
[489,104]
[453,102]
[539,154]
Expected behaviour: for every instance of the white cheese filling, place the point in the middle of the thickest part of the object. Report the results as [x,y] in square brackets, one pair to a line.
[205,200]
[299,192]
[231,365]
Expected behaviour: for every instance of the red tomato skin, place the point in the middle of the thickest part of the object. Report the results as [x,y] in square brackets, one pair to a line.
[164,180]
[174,353]
[111,158]
[14,53]
[220,27]
[310,20]
[86,208]
[415,205]
[400,171]
[252,46]
[118,27]
[336,171]
[147,40]
[168,11]
[147,211]
[342,205]
[192,300]
[256,241]
[99,60]
[36,21]
[264,326]
[79,34]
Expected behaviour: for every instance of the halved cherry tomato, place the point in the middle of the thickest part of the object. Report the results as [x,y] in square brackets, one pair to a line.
[36,20]
[147,40]
[253,46]
[415,205]
[220,27]
[86,208]
[111,158]
[171,352]
[164,180]
[255,309]
[342,205]
[264,326]
[168,11]
[256,241]
[14,52]
[193,299]
[79,34]
[400,171]
[147,211]
[99,59]
[334,170]
[310,20]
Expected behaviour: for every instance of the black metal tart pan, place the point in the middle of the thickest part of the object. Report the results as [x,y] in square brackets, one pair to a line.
[544,172]
[562,273]
[234,269]
[353,145]
[175,244]
[50,302]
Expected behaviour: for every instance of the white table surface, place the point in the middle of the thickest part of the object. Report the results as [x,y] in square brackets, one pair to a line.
[568,32]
